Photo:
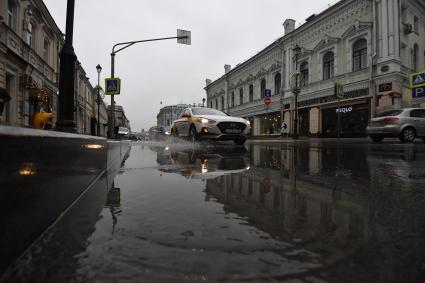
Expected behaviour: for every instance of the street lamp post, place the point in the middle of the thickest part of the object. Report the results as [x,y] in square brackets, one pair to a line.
[98,69]
[296,89]
[183,37]
[66,122]
[203,102]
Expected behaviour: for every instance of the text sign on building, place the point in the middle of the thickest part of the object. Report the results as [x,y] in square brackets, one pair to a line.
[339,90]
[268,93]
[385,87]
[417,79]
[113,86]
[418,92]
[344,109]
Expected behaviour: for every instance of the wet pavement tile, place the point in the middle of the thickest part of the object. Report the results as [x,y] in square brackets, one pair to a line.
[266,212]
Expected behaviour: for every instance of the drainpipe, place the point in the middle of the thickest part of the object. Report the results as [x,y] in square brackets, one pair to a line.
[372,85]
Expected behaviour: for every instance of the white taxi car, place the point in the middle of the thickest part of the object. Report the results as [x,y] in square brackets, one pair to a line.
[198,123]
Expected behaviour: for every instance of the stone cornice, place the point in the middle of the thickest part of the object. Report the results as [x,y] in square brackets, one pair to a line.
[356,29]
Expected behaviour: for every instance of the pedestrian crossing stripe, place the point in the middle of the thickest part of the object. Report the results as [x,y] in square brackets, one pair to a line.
[112,86]
[417,79]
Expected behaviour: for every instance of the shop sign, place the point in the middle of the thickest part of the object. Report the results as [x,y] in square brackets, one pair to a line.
[385,87]
[344,109]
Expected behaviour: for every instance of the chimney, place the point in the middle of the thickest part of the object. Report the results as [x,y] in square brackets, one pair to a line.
[289,25]
[227,68]
[207,82]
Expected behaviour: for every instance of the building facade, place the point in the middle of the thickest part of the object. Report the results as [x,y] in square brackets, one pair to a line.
[168,114]
[120,118]
[370,47]
[30,42]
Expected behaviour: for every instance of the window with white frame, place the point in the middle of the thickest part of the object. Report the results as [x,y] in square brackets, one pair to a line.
[46,50]
[241,96]
[359,55]
[328,65]
[30,34]
[415,58]
[262,87]
[277,83]
[304,73]
[12,9]
[251,93]
[232,99]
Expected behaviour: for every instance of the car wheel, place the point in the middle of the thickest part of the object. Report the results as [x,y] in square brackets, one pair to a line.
[408,135]
[193,136]
[240,141]
[376,139]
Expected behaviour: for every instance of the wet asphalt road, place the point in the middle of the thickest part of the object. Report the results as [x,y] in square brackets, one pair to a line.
[306,211]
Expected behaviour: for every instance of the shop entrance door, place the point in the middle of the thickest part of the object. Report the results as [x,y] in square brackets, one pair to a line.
[304,121]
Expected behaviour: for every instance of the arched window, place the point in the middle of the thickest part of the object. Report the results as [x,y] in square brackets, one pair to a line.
[31,34]
[241,96]
[251,93]
[304,73]
[46,50]
[222,103]
[216,103]
[415,58]
[328,66]
[262,87]
[12,13]
[277,83]
[232,99]
[359,55]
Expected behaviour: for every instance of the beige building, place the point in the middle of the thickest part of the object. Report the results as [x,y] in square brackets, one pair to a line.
[370,47]
[30,42]
[29,62]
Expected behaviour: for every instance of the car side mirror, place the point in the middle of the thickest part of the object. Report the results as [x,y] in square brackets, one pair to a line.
[186,115]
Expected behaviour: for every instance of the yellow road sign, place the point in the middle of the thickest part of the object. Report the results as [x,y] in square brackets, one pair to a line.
[112,86]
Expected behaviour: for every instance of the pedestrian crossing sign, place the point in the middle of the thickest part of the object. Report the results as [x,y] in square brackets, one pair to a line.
[112,86]
[417,79]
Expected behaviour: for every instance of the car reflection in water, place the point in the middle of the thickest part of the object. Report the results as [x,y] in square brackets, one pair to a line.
[203,162]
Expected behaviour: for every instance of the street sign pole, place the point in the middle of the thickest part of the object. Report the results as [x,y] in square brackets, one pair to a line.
[111,123]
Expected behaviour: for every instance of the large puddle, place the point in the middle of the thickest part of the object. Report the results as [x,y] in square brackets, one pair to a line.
[259,213]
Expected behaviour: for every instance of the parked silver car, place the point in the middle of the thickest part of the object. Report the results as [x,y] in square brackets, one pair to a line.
[406,124]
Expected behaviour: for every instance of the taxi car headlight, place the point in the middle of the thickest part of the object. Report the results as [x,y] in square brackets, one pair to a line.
[206,121]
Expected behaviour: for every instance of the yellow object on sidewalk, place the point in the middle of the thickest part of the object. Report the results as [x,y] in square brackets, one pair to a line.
[41,119]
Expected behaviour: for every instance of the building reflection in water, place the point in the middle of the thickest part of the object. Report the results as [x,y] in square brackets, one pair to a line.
[328,200]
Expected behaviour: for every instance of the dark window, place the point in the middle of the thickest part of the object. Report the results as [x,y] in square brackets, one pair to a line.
[419,113]
[241,96]
[216,103]
[360,55]
[232,99]
[277,83]
[328,66]
[222,103]
[211,104]
[251,93]
[11,14]
[304,73]
[46,50]
[262,87]
[415,57]
[30,35]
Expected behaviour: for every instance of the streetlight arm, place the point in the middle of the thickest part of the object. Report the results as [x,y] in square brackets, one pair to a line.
[130,43]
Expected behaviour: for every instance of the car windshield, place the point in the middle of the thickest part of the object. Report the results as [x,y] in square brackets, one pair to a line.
[389,113]
[207,111]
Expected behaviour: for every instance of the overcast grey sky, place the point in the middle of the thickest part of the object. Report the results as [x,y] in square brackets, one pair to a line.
[223,32]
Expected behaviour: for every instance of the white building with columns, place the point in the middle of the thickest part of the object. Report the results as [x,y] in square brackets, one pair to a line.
[369,46]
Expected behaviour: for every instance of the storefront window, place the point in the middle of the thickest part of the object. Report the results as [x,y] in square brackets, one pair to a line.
[270,124]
